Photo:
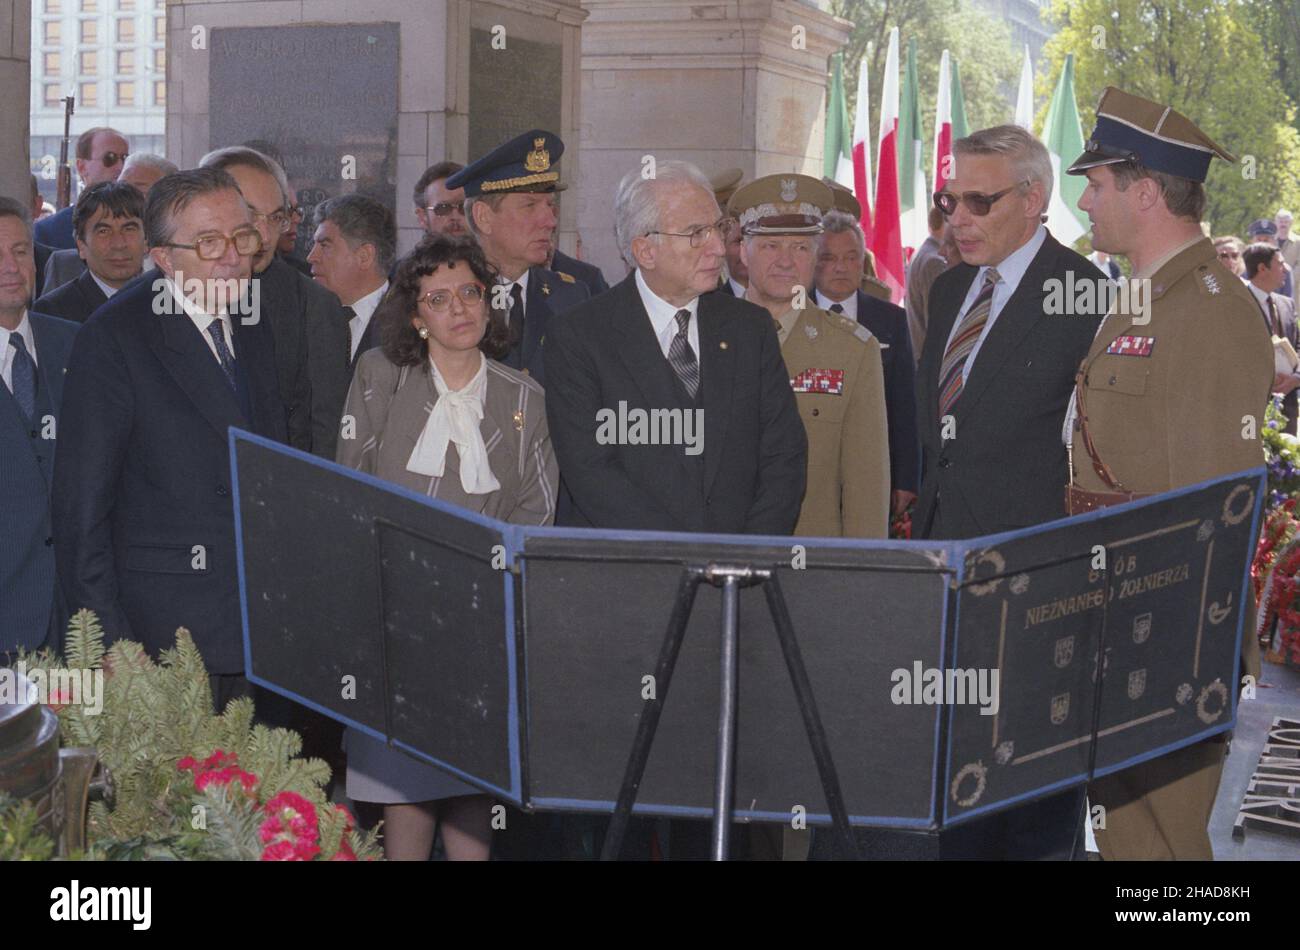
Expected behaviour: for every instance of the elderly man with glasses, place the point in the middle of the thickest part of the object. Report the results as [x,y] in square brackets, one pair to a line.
[143,523]
[101,155]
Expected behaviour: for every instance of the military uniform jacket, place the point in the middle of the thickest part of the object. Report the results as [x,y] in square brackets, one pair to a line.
[839,384]
[1166,399]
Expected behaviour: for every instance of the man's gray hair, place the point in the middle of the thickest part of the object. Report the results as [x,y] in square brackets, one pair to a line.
[493,201]
[235,155]
[362,220]
[1028,156]
[1282,213]
[841,222]
[10,208]
[636,203]
[173,194]
[149,160]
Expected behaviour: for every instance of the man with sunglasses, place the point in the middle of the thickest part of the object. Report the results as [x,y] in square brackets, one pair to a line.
[101,153]
[143,523]
[511,212]
[439,209]
[1228,250]
[1165,399]
[993,382]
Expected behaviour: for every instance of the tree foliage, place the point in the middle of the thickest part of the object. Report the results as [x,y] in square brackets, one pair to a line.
[1207,60]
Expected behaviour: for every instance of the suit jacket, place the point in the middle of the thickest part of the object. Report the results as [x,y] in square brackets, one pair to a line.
[74,301]
[925,266]
[370,338]
[62,267]
[143,520]
[296,262]
[581,271]
[56,229]
[888,323]
[1006,467]
[42,254]
[311,354]
[549,293]
[749,478]
[391,405]
[724,287]
[848,430]
[28,593]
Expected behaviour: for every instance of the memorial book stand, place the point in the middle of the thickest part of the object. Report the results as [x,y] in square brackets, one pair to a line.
[805,673]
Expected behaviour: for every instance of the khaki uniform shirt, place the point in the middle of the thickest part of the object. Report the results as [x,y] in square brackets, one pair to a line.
[839,382]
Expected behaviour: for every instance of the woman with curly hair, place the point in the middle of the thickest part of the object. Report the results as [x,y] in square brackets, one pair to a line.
[436,413]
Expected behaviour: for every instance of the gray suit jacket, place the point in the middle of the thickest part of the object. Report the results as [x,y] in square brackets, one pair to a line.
[390,405]
[1287,316]
[63,266]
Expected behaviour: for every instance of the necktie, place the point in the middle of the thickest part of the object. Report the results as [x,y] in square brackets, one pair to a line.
[682,357]
[516,315]
[224,356]
[349,314]
[1274,326]
[24,377]
[837,308]
[963,342]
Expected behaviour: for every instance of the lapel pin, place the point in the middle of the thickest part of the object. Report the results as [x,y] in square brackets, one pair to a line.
[722,345]
[519,421]
[810,330]
[546,290]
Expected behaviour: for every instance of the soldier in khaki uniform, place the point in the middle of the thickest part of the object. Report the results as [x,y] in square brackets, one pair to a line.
[834,362]
[1160,403]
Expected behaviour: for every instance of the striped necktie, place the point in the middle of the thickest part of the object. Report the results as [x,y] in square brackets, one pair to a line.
[963,342]
[681,357]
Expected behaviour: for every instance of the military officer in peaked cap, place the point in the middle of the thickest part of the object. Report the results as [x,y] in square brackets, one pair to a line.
[1163,399]
[834,363]
[510,209]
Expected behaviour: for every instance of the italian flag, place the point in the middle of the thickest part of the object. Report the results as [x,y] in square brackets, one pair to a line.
[863,184]
[913,199]
[838,150]
[1063,136]
[886,238]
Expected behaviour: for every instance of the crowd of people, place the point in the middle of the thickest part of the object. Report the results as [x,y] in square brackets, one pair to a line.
[476,367]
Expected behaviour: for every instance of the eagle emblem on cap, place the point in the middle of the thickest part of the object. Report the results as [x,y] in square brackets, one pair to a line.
[539,159]
[789,189]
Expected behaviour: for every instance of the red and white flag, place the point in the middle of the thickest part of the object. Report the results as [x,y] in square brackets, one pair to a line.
[862,180]
[886,238]
[943,125]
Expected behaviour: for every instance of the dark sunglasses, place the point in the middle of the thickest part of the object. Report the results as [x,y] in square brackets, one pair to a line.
[109,159]
[976,203]
[444,208]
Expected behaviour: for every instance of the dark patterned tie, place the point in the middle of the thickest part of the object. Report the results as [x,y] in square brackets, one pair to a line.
[682,357]
[962,344]
[24,377]
[224,356]
[516,324]
[837,308]
[349,313]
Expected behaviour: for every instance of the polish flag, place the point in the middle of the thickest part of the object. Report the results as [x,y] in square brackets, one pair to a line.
[886,238]
[862,181]
[943,125]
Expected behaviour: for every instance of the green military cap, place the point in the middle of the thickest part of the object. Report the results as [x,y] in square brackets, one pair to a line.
[781,204]
[1132,129]
[725,183]
[844,199]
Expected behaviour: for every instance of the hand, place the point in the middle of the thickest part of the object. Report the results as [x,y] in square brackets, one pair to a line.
[1285,382]
[899,499]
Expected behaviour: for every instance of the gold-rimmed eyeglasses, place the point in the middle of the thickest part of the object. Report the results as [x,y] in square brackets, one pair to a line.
[699,236]
[212,247]
[439,300]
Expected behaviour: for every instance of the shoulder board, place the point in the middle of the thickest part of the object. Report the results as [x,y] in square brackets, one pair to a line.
[1210,280]
[567,278]
[848,324]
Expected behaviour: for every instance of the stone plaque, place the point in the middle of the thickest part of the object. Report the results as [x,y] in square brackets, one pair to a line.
[511,90]
[322,100]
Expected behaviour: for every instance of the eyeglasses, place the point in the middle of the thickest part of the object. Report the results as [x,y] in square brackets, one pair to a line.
[1232,254]
[976,203]
[440,300]
[109,159]
[212,247]
[444,208]
[700,236]
[280,219]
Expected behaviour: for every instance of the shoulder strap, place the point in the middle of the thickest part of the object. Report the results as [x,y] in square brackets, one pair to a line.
[1101,468]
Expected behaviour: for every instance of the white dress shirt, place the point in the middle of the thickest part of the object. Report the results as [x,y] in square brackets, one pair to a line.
[7,352]
[203,320]
[364,309]
[1261,298]
[849,303]
[663,318]
[106,288]
[1010,271]
[737,288]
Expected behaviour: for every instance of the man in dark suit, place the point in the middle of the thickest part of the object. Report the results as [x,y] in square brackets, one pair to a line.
[355,246]
[993,385]
[660,341]
[580,271]
[33,354]
[1265,275]
[109,228]
[307,321]
[510,207]
[840,260]
[143,520]
[101,152]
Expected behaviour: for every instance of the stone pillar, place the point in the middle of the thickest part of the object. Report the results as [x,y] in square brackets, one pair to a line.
[721,84]
[389,86]
[15,115]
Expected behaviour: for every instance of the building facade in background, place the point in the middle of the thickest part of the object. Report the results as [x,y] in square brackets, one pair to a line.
[1025,18]
[111,55]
